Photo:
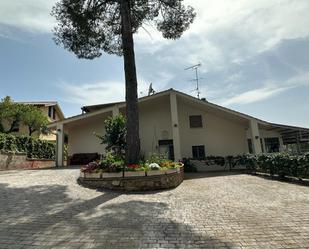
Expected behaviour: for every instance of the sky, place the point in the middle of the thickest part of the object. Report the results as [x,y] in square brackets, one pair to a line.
[254,56]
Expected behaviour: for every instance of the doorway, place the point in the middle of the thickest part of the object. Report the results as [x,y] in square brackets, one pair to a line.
[166,147]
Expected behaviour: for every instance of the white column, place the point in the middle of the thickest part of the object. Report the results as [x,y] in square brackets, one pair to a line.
[115,111]
[255,137]
[281,149]
[175,126]
[60,145]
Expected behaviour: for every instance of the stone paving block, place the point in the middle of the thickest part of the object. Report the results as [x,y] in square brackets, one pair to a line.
[48,209]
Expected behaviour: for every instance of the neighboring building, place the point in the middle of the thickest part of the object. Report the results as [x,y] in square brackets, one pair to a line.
[51,109]
[181,126]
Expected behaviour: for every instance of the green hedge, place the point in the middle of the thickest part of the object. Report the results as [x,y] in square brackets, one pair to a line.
[278,164]
[273,164]
[33,147]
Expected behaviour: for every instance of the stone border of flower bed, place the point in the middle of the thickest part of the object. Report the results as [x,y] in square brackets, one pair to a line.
[134,180]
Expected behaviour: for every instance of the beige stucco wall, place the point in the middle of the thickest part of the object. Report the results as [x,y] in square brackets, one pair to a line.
[220,136]
[81,137]
[155,124]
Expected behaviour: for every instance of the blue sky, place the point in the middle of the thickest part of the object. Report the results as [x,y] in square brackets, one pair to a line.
[254,57]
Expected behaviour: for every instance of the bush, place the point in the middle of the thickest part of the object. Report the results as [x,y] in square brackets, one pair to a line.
[90,167]
[278,164]
[274,164]
[112,163]
[187,166]
[33,147]
[158,159]
[115,136]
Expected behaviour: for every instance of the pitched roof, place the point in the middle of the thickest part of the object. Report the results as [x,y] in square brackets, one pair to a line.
[101,108]
[90,108]
[44,103]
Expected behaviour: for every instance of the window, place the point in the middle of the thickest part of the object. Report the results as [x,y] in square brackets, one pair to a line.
[50,108]
[250,145]
[198,152]
[196,121]
[51,112]
[272,144]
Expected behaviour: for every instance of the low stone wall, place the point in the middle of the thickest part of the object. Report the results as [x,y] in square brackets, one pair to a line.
[136,183]
[20,161]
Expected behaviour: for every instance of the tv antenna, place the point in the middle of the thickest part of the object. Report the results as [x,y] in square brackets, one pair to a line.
[197,79]
[151,90]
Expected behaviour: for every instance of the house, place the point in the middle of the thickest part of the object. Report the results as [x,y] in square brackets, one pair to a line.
[181,126]
[51,109]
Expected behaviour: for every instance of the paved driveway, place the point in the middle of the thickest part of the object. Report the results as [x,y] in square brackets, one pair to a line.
[47,209]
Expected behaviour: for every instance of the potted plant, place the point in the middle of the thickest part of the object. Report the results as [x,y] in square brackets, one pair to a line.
[91,171]
[134,170]
[113,170]
[154,169]
[171,167]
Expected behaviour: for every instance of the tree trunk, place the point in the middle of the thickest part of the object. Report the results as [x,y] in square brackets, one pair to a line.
[132,138]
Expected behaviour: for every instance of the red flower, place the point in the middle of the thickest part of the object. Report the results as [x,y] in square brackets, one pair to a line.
[133,166]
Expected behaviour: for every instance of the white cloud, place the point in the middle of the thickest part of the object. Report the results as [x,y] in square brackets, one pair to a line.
[224,31]
[254,95]
[93,93]
[268,90]
[227,32]
[97,92]
[27,15]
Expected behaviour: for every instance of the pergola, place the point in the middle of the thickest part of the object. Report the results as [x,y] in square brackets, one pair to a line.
[292,135]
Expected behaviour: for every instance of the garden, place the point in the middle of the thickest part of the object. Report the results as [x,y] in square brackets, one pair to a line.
[114,166]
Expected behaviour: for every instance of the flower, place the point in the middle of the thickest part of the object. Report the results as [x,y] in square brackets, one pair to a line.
[133,166]
[90,167]
[154,166]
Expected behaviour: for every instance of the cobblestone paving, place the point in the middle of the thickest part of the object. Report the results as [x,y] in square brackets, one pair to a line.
[48,209]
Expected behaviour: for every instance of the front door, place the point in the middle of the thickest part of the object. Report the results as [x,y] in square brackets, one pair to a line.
[166,148]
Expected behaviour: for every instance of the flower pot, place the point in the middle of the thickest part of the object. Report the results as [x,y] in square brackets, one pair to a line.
[93,175]
[171,171]
[155,172]
[112,175]
[134,173]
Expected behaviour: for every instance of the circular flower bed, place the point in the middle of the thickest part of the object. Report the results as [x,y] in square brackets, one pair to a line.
[112,173]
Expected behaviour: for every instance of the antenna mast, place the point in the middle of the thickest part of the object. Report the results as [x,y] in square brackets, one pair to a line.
[197,79]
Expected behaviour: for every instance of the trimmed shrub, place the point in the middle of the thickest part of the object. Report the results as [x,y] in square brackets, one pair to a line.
[33,147]
[278,164]
[274,164]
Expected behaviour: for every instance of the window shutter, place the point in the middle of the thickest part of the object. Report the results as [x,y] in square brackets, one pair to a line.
[196,121]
